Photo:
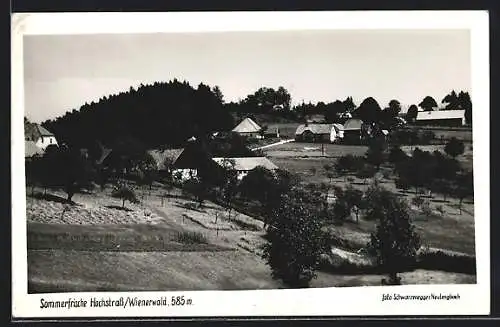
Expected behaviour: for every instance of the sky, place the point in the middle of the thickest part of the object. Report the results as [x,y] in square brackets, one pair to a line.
[62,72]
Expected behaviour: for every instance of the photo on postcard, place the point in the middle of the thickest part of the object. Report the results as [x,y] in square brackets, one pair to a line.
[249,160]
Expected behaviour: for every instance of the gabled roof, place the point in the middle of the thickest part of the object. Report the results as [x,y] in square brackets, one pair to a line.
[33,131]
[338,127]
[247,126]
[30,149]
[441,114]
[161,155]
[314,128]
[43,131]
[248,163]
[353,124]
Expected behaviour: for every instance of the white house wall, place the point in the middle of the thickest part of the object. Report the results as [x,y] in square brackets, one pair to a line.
[44,141]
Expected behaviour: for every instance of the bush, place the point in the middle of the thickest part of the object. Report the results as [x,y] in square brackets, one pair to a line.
[426,209]
[187,237]
[440,209]
[451,262]
[454,147]
[126,194]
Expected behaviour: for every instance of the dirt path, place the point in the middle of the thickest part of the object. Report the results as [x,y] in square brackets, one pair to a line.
[273,144]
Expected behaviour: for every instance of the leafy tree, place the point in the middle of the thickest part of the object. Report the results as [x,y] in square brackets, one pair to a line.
[451,100]
[341,211]
[396,155]
[348,163]
[228,184]
[454,147]
[466,104]
[375,154]
[412,113]
[369,110]
[197,188]
[295,240]
[354,199]
[333,110]
[428,103]
[389,114]
[148,170]
[367,171]
[395,242]
[218,93]
[126,194]
[464,188]
[349,104]
[441,185]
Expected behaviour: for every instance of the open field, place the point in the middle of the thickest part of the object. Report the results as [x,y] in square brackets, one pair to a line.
[167,246]
[452,231]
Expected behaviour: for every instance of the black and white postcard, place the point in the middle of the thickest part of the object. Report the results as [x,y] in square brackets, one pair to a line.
[250,164]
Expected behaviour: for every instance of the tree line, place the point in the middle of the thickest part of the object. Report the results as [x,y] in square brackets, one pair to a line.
[169,113]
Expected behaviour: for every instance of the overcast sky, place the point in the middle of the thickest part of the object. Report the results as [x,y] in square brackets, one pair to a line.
[64,72]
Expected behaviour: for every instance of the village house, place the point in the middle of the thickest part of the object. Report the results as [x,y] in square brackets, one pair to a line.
[449,118]
[353,130]
[244,165]
[39,135]
[31,150]
[182,163]
[247,127]
[319,133]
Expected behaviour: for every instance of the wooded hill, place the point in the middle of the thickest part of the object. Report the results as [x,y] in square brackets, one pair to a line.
[161,114]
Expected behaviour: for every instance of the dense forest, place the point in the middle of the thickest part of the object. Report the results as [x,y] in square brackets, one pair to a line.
[161,114]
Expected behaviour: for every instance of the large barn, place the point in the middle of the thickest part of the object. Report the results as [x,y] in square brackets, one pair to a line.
[441,118]
[319,133]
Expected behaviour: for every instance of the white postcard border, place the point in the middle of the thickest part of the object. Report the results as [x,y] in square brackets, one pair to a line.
[358,301]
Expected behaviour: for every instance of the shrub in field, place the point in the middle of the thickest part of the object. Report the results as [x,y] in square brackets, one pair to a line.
[397,155]
[367,171]
[444,261]
[295,240]
[454,147]
[125,193]
[426,137]
[395,242]
[375,154]
[197,188]
[348,163]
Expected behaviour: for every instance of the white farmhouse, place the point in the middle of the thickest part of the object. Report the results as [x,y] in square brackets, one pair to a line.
[39,135]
